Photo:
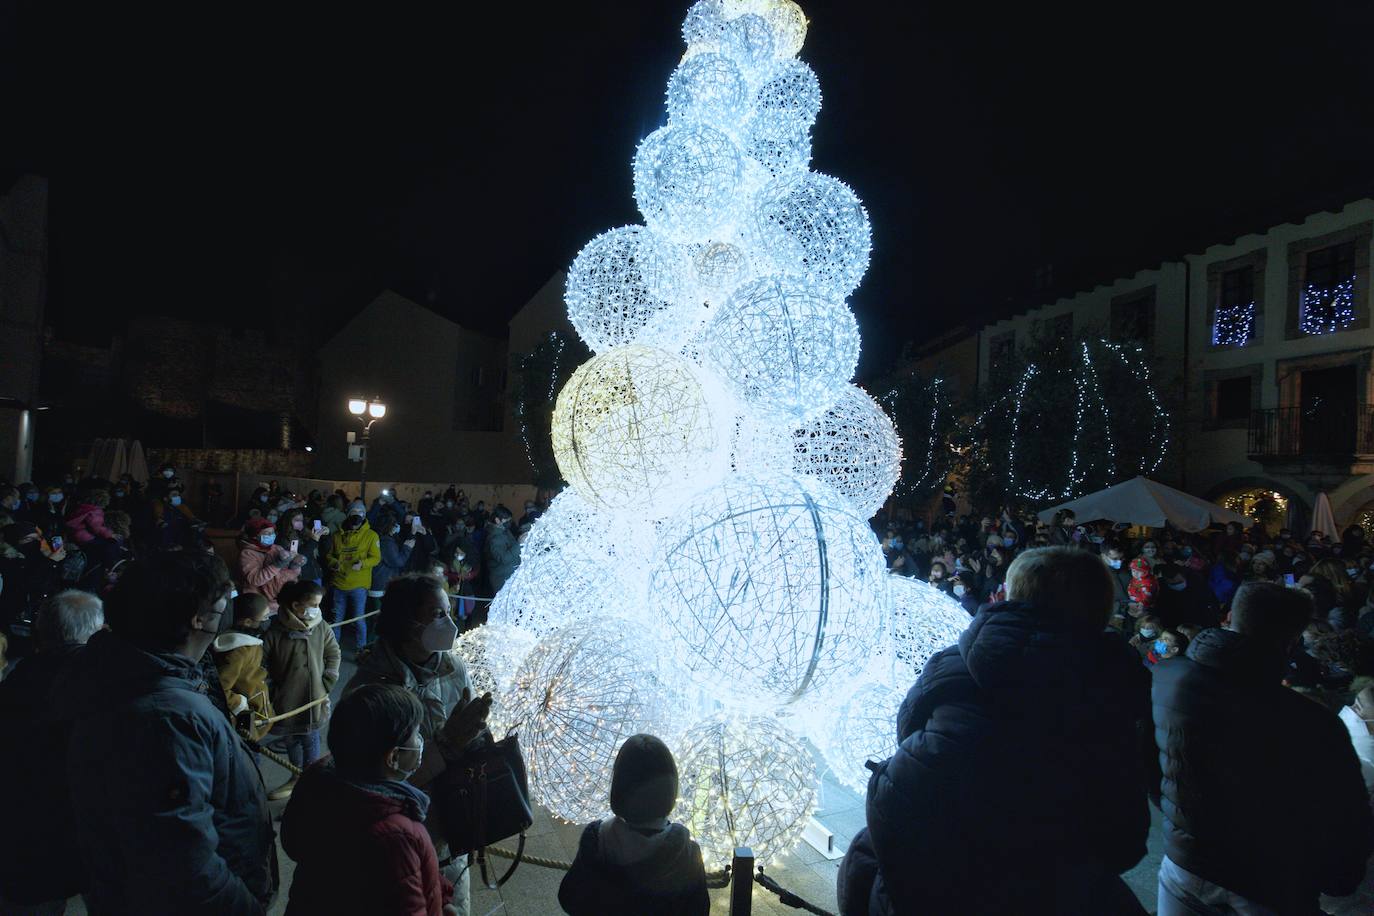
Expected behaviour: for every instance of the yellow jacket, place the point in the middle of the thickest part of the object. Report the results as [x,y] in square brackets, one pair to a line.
[238,657]
[349,547]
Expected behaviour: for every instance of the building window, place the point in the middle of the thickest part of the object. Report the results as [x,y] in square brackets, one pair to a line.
[1327,298]
[1058,328]
[1232,403]
[1133,318]
[1233,322]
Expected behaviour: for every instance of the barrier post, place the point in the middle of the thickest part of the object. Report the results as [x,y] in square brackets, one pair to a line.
[742,882]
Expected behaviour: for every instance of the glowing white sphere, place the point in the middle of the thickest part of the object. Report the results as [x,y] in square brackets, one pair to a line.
[923,621]
[771,586]
[687,178]
[862,728]
[787,103]
[744,782]
[629,286]
[719,267]
[788,23]
[492,654]
[814,226]
[735,8]
[778,156]
[748,40]
[708,88]
[759,444]
[854,448]
[576,563]
[578,695]
[639,428]
[704,25]
[783,347]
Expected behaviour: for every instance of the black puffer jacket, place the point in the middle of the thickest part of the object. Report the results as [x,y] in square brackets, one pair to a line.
[620,871]
[1262,789]
[1019,785]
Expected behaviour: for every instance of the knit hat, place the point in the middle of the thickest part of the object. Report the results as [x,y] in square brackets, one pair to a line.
[357,508]
[644,782]
[256,526]
[1140,564]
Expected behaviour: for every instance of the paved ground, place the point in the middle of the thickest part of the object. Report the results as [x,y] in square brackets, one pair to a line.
[533,891]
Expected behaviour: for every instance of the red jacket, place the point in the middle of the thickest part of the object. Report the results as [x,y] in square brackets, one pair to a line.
[358,850]
[266,570]
[86,523]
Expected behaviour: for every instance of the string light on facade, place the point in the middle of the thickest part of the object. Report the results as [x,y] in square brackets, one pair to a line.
[852,447]
[629,286]
[1233,325]
[687,179]
[1326,310]
[783,347]
[744,782]
[771,586]
[639,428]
[814,226]
[578,695]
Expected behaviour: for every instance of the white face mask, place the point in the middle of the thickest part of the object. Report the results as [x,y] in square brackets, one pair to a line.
[439,635]
[419,753]
[1114,564]
[959,591]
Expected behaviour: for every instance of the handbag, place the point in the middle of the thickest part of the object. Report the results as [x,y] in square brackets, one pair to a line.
[484,798]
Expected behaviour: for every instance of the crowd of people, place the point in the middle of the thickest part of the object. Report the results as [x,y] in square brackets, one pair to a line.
[1103,670]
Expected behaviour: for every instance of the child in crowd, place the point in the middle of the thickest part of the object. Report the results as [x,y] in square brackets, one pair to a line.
[238,657]
[1147,630]
[355,817]
[302,659]
[638,861]
[1144,586]
[1166,646]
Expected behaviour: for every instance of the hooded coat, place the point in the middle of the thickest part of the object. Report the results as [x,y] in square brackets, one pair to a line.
[348,547]
[622,871]
[174,813]
[1019,784]
[303,663]
[360,848]
[238,659]
[502,554]
[1262,789]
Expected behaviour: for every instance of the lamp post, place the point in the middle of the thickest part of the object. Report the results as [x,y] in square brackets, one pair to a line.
[363,408]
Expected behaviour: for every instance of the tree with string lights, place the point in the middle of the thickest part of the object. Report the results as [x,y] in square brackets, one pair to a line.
[540,375]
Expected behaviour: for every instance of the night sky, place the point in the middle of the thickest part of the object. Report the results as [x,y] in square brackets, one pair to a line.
[248,164]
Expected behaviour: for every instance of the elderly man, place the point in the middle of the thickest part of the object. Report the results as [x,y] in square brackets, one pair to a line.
[1020,782]
[38,874]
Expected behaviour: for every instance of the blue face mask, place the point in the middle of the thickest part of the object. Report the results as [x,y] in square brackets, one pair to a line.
[1161,646]
[1187,551]
[176,500]
[54,497]
[1114,564]
[1178,586]
[1008,542]
[119,493]
[31,497]
[267,540]
[897,544]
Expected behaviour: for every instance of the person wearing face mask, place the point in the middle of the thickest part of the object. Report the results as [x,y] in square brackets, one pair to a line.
[30,570]
[302,660]
[964,593]
[172,813]
[306,539]
[334,513]
[395,554]
[1225,578]
[415,633]
[87,521]
[1184,599]
[355,814]
[238,659]
[265,566]
[354,550]
[51,512]
[10,502]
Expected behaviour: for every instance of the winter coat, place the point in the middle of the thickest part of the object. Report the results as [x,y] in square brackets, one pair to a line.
[360,848]
[1224,582]
[1195,604]
[395,556]
[238,659]
[303,666]
[44,863]
[86,523]
[1262,789]
[439,689]
[266,569]
[622,871]
[503,555]
[332,518]
[174,813]
[308,548]
[1022,757]
[347,548]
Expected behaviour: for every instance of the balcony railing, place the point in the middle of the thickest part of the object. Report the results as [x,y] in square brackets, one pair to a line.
[1322,433]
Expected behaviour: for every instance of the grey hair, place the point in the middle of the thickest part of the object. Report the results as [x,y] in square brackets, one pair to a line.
[68,617]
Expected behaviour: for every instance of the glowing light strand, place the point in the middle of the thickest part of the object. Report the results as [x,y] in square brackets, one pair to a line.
[1233,325]
[1326,310]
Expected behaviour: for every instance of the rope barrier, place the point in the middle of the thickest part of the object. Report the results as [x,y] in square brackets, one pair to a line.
[786,897]
[295,712]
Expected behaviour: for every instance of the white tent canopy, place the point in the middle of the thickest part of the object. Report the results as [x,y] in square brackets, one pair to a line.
[1140,501]
[1323,520]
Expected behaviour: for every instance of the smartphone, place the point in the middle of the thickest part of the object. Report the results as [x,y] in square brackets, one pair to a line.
[1288,580]
[316,525]
[416,524]
[295,545]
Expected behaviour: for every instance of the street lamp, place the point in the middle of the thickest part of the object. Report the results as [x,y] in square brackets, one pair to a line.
[374,408]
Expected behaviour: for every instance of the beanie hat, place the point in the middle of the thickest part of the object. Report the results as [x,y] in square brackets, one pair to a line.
[1140,564]
[644,782]
[357,508]
[256,526]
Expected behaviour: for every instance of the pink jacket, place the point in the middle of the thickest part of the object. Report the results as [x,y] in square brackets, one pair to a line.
[266,570]
[86,523]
